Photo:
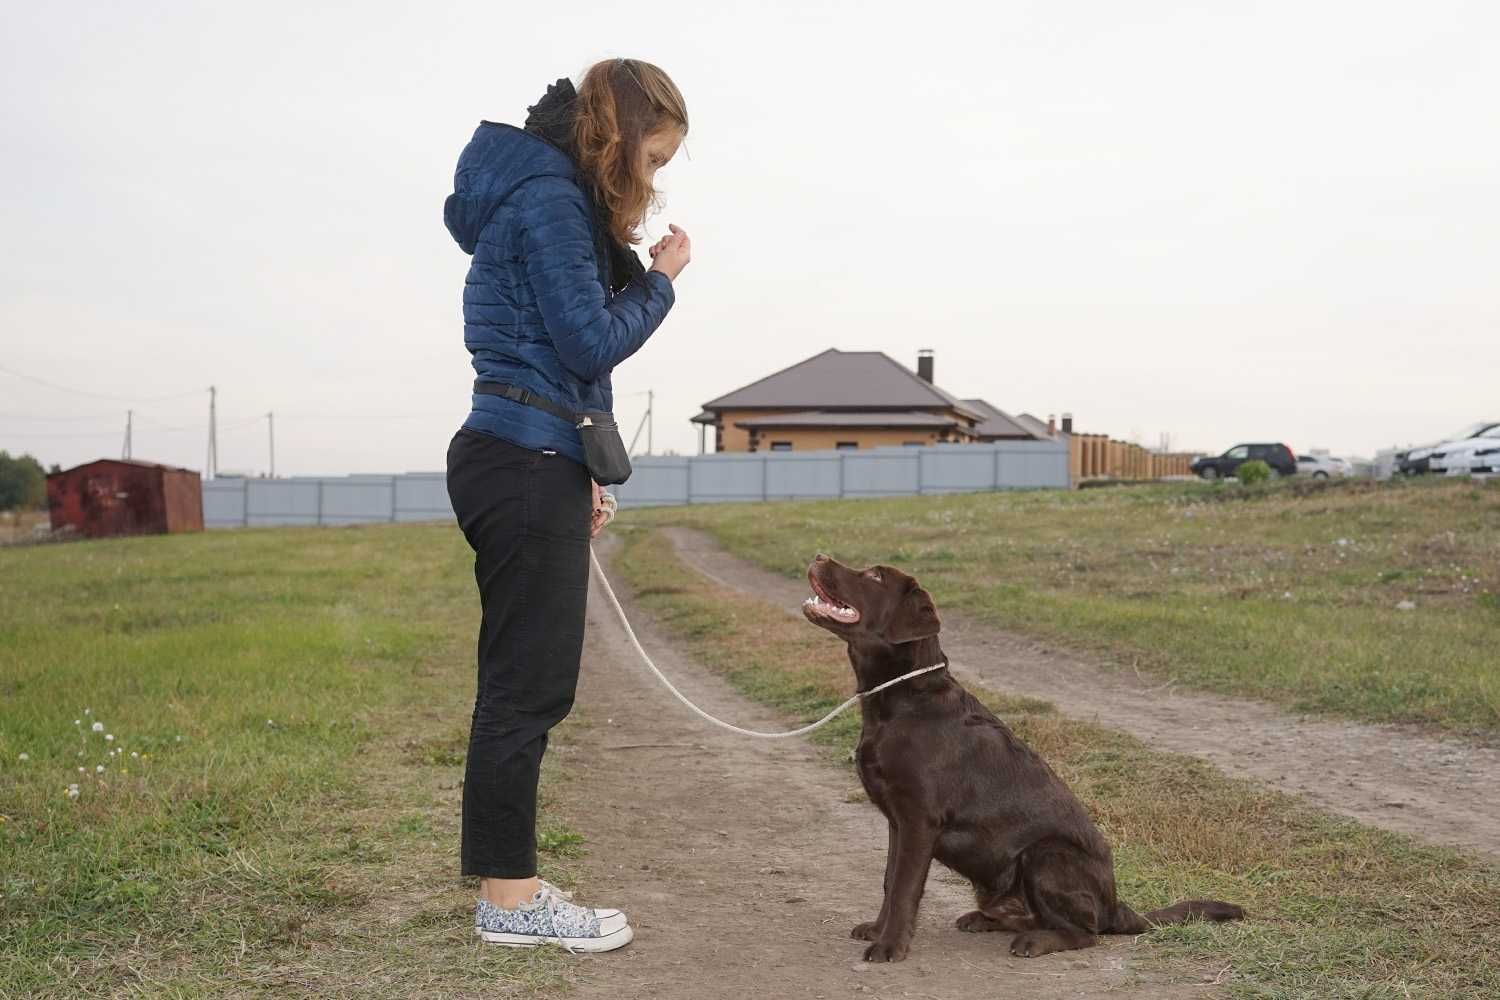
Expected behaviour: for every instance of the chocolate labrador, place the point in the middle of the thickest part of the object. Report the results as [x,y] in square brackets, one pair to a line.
[956,785]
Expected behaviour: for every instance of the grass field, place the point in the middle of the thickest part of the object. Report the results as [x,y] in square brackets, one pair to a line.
[276,811]
[1296,594]
[1337,910]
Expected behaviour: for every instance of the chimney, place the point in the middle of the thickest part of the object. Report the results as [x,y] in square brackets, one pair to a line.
[1067,423]
[1052,425]
[924,365]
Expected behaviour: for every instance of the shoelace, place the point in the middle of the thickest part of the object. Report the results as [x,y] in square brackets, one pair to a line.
[550,894]
[548,885]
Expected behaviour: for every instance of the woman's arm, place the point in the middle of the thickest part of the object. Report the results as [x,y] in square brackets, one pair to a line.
[591,335]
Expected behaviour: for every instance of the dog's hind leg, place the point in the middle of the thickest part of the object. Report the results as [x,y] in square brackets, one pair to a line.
[1062,887]
[1031,944]
[1069,920]
[979,921]
[998,910]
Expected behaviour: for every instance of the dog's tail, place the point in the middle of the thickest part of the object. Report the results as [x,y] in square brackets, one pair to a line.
[1127,921]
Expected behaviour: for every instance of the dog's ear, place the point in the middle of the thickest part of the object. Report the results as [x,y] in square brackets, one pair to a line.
[915,618]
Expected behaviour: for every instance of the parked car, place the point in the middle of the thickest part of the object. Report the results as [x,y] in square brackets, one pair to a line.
[1416,461]
[1281,459]
[1480,453]
[1323,466]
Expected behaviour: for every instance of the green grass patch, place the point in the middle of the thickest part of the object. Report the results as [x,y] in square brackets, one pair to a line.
[282,704]
[1337,910]
[1296,593]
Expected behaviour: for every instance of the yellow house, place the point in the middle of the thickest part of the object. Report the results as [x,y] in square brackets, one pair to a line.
[849,399]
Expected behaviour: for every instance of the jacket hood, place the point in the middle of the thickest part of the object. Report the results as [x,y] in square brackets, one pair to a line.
[499,158]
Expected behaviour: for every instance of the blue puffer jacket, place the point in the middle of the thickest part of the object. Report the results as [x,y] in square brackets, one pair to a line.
[536,313]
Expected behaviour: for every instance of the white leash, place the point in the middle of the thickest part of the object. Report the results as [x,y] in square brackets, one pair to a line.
[609,591]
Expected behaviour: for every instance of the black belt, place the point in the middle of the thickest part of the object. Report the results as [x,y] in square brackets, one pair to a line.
[526,398]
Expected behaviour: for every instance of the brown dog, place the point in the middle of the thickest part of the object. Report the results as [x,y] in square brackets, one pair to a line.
[957,785]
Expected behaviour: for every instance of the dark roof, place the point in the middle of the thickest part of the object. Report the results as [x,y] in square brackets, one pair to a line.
[862,380]
[1035,426]
[705,418]
[909,418]
[126,461]
[997,422]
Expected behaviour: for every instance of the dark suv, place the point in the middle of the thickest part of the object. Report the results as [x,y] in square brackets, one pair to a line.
[1281,459]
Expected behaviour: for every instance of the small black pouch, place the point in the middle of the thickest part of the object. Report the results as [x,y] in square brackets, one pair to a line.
[603,448]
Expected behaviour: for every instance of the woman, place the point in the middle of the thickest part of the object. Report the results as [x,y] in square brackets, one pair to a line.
[555,298]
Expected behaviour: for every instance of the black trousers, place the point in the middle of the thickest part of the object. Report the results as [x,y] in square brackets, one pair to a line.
[526,515]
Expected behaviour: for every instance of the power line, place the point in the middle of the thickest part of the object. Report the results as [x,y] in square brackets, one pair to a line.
[76,434]
[97,395]
[369,416]
[58,420]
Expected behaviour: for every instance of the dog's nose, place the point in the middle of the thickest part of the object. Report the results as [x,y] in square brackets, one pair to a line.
[820,557]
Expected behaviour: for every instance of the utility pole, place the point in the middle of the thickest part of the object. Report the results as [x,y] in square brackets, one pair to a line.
[650,420]
[271,429]
[129,419]
[211,467]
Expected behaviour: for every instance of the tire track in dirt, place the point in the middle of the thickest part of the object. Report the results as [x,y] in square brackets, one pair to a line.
[1387,776]
[743,865]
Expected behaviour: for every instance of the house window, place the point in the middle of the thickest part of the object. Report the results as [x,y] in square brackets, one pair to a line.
[781,446]
[914,444]
[847,445]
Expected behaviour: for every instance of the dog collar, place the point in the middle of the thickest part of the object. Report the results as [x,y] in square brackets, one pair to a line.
[904,677]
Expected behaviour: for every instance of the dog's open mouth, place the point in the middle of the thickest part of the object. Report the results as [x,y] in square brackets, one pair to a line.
[824,605]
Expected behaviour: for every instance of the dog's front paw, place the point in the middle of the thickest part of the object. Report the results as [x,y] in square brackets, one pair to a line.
[886,951]
[867,931]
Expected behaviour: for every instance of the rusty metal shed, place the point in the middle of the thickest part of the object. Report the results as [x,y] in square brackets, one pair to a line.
[113,496]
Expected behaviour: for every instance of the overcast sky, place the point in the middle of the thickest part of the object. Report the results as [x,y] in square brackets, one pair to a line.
[1221,221]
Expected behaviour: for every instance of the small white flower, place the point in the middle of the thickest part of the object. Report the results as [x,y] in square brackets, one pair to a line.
[80,770]
[88,711]
[25,756]
[73,792]
[98,768]
[179,739]
[270,723]
[97,727]
[109,737]
[77,722]
[134,754]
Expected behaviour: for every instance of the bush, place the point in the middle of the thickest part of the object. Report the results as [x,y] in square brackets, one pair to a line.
[23,483]
[1253,471]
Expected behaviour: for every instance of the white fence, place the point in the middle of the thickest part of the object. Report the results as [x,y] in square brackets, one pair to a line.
[412,496]
[660,481]
[878,472]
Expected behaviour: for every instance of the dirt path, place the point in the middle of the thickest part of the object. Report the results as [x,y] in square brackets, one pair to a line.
[744,864]
[1386,776]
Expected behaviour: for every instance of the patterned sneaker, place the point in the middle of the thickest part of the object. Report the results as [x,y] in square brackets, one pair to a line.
[551,917]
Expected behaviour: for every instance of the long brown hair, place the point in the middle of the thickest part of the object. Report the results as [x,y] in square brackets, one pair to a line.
[620,103]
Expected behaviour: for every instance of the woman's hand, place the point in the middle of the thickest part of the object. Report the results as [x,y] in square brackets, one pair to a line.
[671,253]
[604,510]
